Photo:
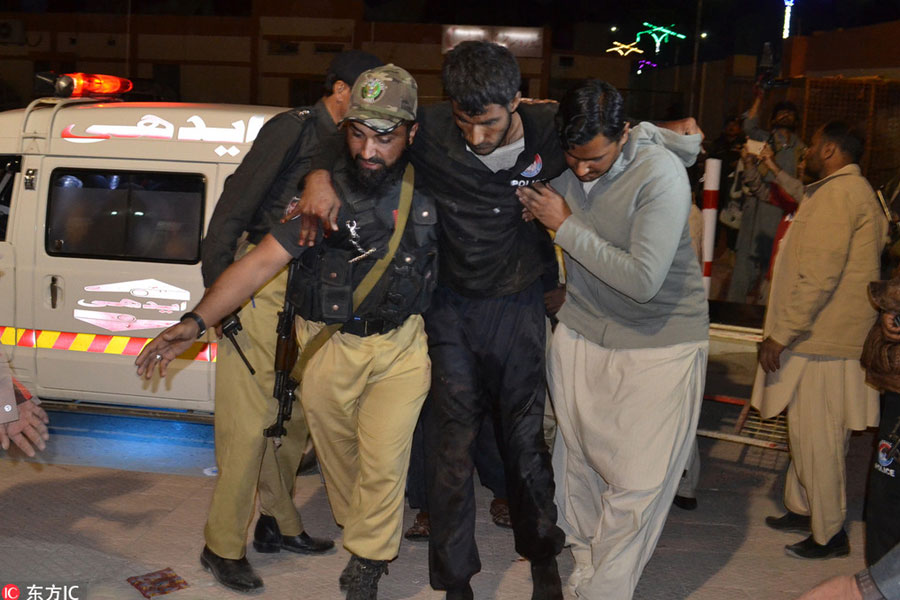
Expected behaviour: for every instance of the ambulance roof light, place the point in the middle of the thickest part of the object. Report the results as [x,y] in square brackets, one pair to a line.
[77,85]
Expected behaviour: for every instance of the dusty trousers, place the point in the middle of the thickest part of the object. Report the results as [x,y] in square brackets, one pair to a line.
[362,397]
[487,355]
[246,459]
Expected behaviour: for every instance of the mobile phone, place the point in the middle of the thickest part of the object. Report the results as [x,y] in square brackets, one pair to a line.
[896,320]
[754,147]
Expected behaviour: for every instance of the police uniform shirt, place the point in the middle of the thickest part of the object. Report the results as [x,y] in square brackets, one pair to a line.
[257,194]
[487,249]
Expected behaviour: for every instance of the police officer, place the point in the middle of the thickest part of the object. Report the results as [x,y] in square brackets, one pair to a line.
[486,326]
[254,199]
[364,388]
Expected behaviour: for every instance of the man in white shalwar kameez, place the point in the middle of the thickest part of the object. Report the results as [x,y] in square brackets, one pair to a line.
[628,358]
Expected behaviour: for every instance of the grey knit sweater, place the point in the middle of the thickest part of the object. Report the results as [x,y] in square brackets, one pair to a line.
[632,277]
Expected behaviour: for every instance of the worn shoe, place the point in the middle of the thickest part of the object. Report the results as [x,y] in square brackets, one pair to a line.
[790,521]
[464,593]
[836,547]
[348,573]
[545,580]
[267,539]
[500,513]
[421,527]
[236,574]
[362,582]
[685,502]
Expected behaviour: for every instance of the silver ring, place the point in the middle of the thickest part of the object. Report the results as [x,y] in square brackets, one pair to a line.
[159,357]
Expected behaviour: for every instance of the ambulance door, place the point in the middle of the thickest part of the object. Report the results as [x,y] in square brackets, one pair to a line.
[10,166]
[116,263]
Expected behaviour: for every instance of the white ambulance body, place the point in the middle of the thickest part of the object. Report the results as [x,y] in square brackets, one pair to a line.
[102,209]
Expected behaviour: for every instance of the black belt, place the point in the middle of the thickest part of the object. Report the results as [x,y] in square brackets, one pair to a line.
[364,327]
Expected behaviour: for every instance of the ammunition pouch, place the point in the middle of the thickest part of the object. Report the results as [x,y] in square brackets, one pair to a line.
[323,288]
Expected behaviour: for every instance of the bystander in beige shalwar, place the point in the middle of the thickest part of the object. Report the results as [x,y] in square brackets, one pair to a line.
[817,320]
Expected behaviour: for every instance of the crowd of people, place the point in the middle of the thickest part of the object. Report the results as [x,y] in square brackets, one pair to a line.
[449,215]
[422,252]
[760,188]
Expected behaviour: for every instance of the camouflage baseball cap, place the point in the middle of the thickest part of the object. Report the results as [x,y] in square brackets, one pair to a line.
[382,98]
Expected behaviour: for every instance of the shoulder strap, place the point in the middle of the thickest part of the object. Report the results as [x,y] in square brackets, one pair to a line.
[372,277]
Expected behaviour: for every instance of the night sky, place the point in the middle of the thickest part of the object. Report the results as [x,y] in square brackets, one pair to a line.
[733,26]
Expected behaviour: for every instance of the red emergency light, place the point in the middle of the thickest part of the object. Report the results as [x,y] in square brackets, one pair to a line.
[77,85]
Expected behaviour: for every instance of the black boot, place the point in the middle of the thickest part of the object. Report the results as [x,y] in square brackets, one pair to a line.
[685,502]
[362,581]
[545,579]
[348,573]
[267,538]
[809,549]
[789,521]
[236,574]
[463,593]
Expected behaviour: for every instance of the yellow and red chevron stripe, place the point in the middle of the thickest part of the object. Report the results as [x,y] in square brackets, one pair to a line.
[93,342]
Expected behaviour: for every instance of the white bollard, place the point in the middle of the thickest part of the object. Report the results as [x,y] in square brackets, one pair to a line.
[711,175]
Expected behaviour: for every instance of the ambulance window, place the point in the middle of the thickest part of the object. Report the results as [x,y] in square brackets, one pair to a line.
[9,166]
[125,215]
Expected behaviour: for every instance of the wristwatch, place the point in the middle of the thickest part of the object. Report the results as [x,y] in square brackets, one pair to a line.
[867,588]
[201,324]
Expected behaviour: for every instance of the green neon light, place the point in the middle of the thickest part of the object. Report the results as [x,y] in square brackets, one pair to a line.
[659,34]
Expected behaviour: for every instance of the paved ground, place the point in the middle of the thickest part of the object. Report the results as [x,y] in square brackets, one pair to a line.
[64,522]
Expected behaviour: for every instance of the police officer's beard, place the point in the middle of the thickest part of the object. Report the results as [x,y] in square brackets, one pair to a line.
[376,182]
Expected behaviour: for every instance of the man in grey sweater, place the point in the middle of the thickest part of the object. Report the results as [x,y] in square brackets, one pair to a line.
[628,358]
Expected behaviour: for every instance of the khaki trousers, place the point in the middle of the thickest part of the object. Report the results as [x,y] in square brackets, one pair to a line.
[362,397]
[818,432]
[627,421]
[244,407]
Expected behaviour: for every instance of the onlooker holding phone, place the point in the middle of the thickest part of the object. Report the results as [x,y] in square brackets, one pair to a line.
[760,218]
[782,196]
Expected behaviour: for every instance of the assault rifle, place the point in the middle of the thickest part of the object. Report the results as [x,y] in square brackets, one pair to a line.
[286,351]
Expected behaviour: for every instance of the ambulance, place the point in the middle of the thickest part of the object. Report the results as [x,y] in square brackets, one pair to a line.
[103,204]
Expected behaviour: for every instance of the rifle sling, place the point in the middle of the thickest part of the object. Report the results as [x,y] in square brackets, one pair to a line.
[372,277]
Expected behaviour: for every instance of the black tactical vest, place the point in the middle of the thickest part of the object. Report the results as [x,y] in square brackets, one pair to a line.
[323,288]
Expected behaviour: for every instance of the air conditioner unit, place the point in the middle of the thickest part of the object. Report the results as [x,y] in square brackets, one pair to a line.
[12,32]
